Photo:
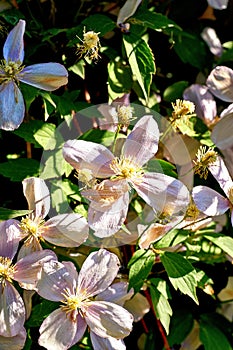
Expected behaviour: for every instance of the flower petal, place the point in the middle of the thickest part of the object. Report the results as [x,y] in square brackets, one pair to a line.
[83,155]
[222,132]
[209,201]
[110,343]
[116,293]
[220,83]
[28,269]
[60,332]
[12,311]
[108,320]
[14,343]
[55,278]
[11,106]
[142,143]
[220,172]
[218,4]
[66,230]
[37,194]
[205,105]
[10,237]
[13,49]
[45,76]
[209,35]
[163,193]
[97,272]
[138,306]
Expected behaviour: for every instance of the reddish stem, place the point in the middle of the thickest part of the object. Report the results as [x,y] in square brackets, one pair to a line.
[160,327]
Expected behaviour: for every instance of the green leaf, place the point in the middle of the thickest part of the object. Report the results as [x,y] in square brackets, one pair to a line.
[19,169]
[159,296]
[191,50]
[104,137]
[6,214]
[180,326]
[175,91]
[141,61]
[211,336]
[140,266]
[55,164]
[27,131]
[153,20]
[161,166]
[221,241]
[40,312]
[45,136]
[29,93]
[99,23]
[181,273]
[119,78]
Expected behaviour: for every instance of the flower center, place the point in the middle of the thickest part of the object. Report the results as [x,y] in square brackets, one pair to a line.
[11,69]
[73,303]
[91,40]
[32,228]
[192,211]
[182,108]
[6,269]
[204,159]
[124,114]
[86,177]
[124,168]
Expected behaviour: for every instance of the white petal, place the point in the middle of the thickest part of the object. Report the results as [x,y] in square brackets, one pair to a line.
[222,133]
[83,155]
[220,172]
[209,201]
[142,143]
[12,311]
[10,237]
[13,343]
[116,293]
[66,230]
[60,332]
[37,194]
[138,306]
[220,83]
[108,319]
[98,271]
[106,343]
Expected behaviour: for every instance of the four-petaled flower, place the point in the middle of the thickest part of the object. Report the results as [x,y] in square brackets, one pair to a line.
[65,326]
[46,76]
[26,271]
[109,199]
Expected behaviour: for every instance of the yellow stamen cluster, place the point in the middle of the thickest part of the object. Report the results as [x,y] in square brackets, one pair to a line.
[6,270]
[182,108]
[124,114]
[73,302]
[125,168]
[86,177]
[205,158]
[192,211]
[90,45]
[31,227]
[11,69]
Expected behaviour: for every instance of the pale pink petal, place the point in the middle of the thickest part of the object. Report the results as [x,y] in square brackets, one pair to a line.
[220,172]
[13,343]
[109,121]
[37,194]
[108,207]
[97,272]
[60,332]
[227,110]
[110,343]
[108,320]
[218,4]
[66,230]
[192,341]
[28,269]
[142,143]
[220,83]
[116,293]
[205,105]
[55,278]
[209,201]
[163,193]
[84,155]
[138,306]
[10,237]
[30,246]
[222,133]
[12,311]
[232,218]
[209,35]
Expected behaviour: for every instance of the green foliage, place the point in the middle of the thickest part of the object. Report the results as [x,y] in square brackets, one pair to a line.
[6,214]
[26,167]
[140,266]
